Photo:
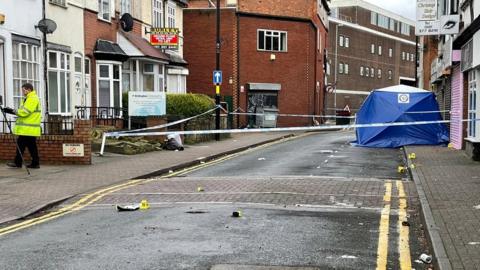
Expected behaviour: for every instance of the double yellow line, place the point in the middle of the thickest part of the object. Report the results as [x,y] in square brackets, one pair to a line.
[403,241]
[95,196]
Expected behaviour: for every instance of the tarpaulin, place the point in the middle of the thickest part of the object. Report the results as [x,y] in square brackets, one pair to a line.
[400,104]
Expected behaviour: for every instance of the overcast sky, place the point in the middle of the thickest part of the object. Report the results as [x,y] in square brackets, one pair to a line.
[405,8]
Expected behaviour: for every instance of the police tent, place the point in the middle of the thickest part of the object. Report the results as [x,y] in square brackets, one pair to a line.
[400,103]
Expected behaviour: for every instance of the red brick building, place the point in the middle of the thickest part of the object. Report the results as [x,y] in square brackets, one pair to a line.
[272,56]
[369,48]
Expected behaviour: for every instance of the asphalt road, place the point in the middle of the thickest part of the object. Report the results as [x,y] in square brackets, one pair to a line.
[314,202]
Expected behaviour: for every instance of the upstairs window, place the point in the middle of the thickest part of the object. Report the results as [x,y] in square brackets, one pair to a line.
[157,13]
[373,18]
[372,48]
[390,52]
[345,69]
[379,73]
[61,3]
[171,15]
[271,40]
[104,10]
[347,42]
[361,71]
[340,68]
[405,29]
[379,50]
[341,41]
[125,6]
[390,75]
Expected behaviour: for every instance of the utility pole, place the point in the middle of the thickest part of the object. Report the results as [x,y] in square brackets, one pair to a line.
[217,67]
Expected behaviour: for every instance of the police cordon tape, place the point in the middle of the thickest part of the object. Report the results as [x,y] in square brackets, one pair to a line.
[260,130]
[294,115]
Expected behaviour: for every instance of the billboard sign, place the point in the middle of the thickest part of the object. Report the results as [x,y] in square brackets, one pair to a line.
[167,38]
[146,103]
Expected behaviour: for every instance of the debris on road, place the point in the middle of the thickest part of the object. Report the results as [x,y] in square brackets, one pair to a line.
[474,243]
[426,258]
[237,214]
[405,223]
[412,156]
[130,207]
[262,158]
[200,189]
[348,257]
[401,169]
[477,207]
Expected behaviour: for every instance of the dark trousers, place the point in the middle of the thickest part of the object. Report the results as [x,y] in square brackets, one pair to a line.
[29,142]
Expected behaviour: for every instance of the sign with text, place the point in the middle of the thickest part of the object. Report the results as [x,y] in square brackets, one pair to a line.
[73,150]
[167,38]
[146,103]
[426,10]
[447,25]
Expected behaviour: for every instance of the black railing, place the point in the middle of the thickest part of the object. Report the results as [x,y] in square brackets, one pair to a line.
[113,116]
[55,127]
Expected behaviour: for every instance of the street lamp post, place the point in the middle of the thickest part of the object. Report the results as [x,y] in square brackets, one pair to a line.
[336,67]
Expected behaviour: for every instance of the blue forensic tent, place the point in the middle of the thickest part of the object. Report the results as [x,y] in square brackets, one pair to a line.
[400,103]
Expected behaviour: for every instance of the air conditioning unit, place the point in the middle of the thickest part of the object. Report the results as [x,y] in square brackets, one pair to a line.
[231,3]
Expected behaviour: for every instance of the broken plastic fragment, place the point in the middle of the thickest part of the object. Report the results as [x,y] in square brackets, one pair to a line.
[130,207]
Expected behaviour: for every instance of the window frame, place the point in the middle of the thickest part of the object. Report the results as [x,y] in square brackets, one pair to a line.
[346,69]
[171,13]
[372,48]
[390,52]
[347,42]
[157,13]
[272,32]
[390,74]
[341,41]
[64,93]
[125,7]
[340,68]
[60,3]
[101,12]
[362,71]
[32,69]
[379,49]
[473,127]
[111,79]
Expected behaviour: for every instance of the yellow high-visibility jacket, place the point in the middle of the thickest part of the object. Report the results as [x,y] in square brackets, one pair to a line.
[29,117]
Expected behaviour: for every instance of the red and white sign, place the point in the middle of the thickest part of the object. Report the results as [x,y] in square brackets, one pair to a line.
[164,37]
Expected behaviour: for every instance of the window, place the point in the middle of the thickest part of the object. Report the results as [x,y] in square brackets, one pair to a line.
[372,72]
[412,57]
[361,71]
[390,74]
[26,68]
[104,10]
[390,52]
[379,73]
[59,82]
[345,69]
[405,29]
[148,78]
[347,42]
[340,41]
[383,21]
[171,15]
[367,72]
[108,84]
[269,40]
[58,2]
[125,6]
[129,75]
[392,24]
[157,13]
[473,125]
[340,68]
[403,55]
[379,50]
[372,48]
[78,63]
[373,18]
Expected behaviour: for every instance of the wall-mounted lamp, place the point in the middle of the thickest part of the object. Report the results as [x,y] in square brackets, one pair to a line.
[273,57]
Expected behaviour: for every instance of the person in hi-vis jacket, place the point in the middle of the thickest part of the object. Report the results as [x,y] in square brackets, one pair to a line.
[27,127]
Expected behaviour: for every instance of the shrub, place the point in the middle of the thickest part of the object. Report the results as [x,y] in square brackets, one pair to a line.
[187,105]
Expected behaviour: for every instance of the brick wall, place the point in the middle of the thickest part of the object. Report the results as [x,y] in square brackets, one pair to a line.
[50,147]
[97,29]
[199,50]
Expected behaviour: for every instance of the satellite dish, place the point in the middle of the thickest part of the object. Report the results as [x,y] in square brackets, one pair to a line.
[46,26]
[126,22]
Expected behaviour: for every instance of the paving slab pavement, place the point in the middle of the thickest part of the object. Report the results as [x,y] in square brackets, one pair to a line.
[22,195]
[448,184]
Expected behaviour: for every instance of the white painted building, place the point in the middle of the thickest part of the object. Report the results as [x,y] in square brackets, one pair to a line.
[21,58]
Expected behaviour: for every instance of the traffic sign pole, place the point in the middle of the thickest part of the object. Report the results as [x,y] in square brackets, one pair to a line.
[217,87]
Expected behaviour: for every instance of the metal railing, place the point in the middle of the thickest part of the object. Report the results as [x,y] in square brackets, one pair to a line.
[113,116]
[54,127]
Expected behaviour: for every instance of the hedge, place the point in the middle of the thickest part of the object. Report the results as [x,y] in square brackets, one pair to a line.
[187,105]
